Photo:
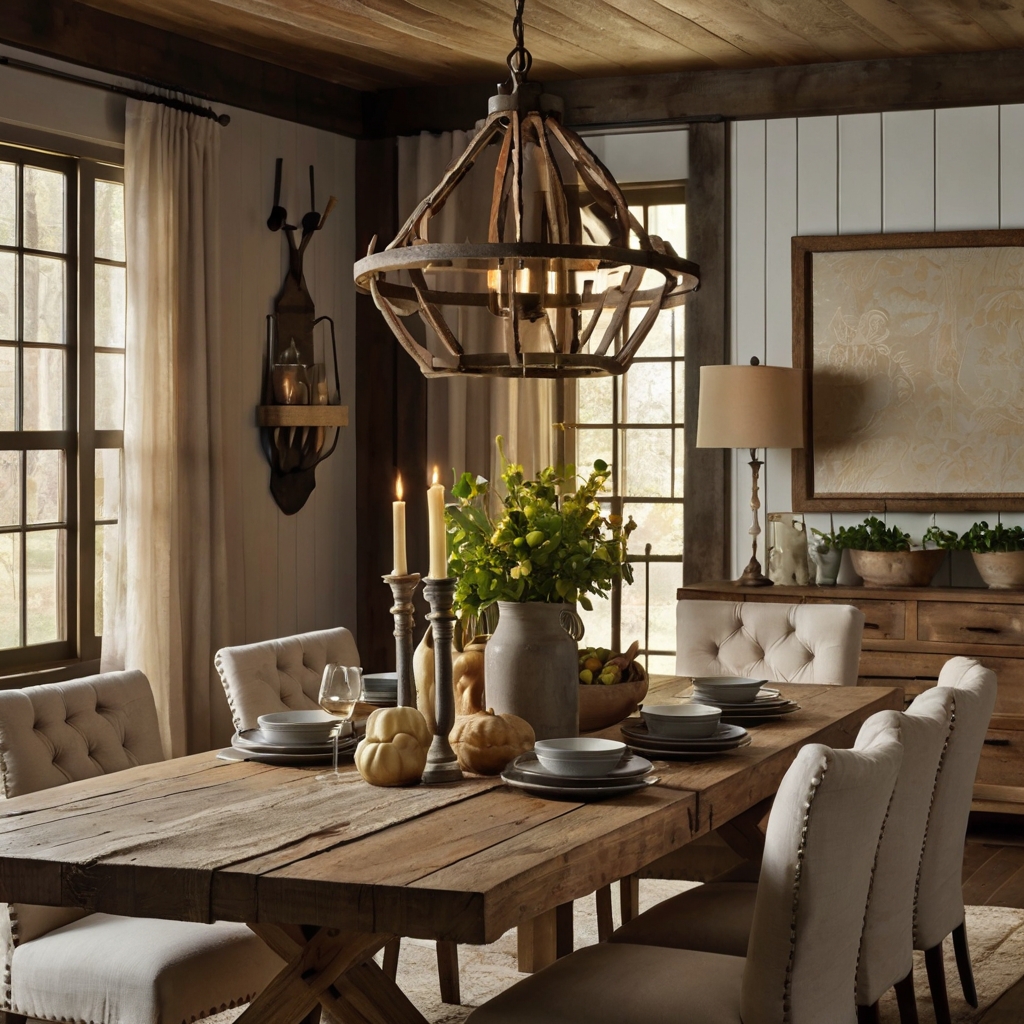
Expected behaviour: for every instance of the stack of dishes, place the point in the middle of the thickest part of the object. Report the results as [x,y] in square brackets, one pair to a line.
[579,768]
[296,738]
[684,732]
[380,689]
[743,701]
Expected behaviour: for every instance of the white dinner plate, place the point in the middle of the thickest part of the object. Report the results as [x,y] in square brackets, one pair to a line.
[631,767]
[292,760]
[724,738]
[253,739]
[572,791]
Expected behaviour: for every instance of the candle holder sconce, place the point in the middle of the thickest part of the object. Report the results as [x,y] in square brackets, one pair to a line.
[297,408]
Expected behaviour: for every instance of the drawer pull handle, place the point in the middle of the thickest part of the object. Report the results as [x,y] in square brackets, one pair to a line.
[981,629]
[996,743]
[872,625]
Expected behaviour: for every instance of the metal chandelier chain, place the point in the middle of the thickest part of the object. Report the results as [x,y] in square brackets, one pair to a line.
[519,60]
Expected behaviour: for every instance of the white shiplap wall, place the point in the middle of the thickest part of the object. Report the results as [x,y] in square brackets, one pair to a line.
[919,170]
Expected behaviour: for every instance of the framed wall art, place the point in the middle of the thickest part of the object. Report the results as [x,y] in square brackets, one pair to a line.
[914,347]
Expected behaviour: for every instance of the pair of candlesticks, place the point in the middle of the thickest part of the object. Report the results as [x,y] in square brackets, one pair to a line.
[442,764]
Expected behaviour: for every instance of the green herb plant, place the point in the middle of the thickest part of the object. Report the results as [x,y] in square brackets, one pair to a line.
[872,535]
[980,538]
[546,542]
[827,541]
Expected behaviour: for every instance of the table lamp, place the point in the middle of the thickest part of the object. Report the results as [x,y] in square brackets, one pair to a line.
[751,407]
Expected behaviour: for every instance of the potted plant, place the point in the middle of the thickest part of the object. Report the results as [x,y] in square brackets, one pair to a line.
[882,556]
[545,548]
[998,551]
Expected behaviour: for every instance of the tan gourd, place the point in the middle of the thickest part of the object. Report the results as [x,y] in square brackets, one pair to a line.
[468,676]
[394,752]
[485,742]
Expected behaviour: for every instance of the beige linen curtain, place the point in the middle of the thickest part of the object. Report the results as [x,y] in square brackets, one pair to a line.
[170,604]
[464,415]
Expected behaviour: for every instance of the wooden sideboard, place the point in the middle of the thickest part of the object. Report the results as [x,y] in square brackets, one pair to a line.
[908,636]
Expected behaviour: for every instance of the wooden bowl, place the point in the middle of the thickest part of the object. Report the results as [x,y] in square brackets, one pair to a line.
[1001,570]
[897,568]
[602,706]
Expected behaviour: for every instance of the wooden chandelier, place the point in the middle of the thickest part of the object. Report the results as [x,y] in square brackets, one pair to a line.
[574,298]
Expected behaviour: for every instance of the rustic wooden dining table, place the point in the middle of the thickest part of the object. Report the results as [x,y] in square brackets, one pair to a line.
[329,871]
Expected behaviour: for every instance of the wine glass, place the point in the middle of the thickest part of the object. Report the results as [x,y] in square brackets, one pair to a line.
[340,690]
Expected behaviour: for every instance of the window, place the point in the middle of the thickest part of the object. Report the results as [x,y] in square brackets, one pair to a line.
[62,337]
[635,423]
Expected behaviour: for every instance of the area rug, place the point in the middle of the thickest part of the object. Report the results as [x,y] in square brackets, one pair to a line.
[996,936]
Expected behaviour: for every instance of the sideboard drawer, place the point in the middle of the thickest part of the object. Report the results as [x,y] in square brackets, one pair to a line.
[953,622]
[883,620]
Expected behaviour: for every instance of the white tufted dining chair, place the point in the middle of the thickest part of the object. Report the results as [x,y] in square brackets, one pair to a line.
[783,643]
[802,958]
[940,900]
[280,675]
[717,917]
[67,964]
[284,675]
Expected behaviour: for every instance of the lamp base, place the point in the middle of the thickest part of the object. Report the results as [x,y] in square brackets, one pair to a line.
[753,577]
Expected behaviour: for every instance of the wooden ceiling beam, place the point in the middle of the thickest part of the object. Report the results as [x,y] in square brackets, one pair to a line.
[843,87]
[119,46]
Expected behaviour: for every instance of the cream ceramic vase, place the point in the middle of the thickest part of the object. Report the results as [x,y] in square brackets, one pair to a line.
[530,668]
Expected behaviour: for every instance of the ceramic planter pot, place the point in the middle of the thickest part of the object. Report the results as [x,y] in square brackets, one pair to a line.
[1001,570]
[531,668]
[897,568]
[826,562]
[602,706]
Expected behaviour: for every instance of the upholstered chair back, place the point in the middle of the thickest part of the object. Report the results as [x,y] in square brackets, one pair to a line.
[280,675]
[887,949]
[940,903]
[64,732]
[820,849]
[783,643]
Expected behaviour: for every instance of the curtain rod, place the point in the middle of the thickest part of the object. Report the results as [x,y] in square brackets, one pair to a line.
[135,94]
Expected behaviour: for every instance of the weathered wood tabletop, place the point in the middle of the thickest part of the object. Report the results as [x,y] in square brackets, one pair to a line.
[200,839]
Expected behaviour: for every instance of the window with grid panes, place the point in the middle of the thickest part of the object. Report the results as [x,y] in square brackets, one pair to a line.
[635,423]
[62,341]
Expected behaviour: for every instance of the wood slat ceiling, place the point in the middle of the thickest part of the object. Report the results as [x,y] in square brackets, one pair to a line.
[383,43]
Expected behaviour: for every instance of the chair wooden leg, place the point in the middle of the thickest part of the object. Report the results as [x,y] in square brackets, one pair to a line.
[629,897]
[869,1014]
[906,999]
[391,951]
[448,971]
[937,983]
[963,965]
[605,922]
[14,1018]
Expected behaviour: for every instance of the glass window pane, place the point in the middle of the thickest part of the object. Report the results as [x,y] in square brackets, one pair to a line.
[110,220]
[108,483]
[109,391]
[677,473]
[10,488]
[8,204]
[106,561]
[665,579]
[668,221]
[10,590]
[659,341]
[660,525]
[592,445]
[43,389]
[633,606]
[594,399]
[110,306]
[44,586]
[8,296]
[43,210]
[44,300]
[597,624]
[660,664]
[647,463]
[44,486]
[647,393]
[8,390]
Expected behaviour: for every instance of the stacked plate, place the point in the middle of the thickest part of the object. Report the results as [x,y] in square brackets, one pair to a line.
[380,689]
[632,773]
[670,748]
[744,706]
[296,738]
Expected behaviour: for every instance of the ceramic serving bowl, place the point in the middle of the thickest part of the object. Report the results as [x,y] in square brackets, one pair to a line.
[312,726]
[380,682]
[732,689]
[579,756]
[681,721]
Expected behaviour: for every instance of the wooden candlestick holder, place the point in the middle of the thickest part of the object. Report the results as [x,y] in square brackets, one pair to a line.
[402,590]
[442,764]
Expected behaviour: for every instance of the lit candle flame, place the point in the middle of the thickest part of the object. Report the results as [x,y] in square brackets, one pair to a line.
[398,486]
[434,481]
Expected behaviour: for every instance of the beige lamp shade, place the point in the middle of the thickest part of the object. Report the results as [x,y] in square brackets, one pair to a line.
[750,407]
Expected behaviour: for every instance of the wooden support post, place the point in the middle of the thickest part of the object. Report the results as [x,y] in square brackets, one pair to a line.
[605,921]
[448,971]
[629,897]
